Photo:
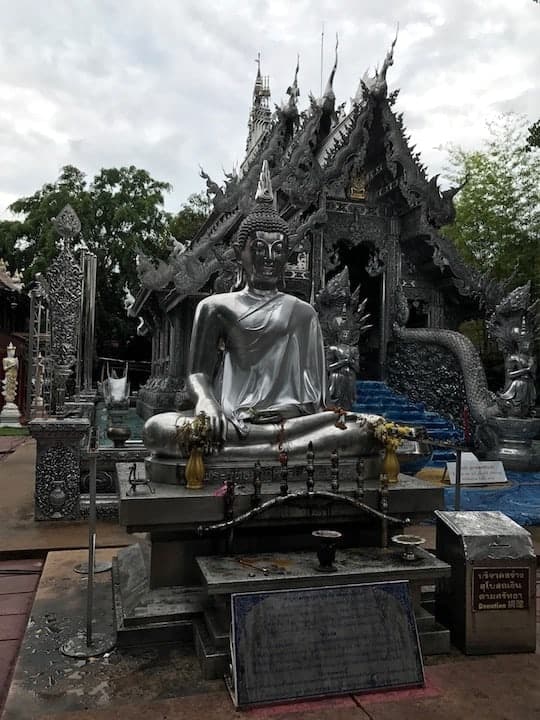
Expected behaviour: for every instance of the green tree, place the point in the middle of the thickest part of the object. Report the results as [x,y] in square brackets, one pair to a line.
[121,210]
[533,141]
[190,218]
[497,224]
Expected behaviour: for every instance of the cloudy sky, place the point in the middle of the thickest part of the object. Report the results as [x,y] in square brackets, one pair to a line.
[167,85]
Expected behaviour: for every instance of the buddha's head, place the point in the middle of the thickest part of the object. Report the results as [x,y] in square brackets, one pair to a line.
[262,244]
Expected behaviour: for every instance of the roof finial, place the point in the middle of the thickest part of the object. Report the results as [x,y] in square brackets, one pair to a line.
[389,59]
[329,90]
[376,85]
[293,91]
[264,188]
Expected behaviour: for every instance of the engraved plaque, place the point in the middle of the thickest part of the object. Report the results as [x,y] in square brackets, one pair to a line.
[504,588]
[315,642]
[476,472]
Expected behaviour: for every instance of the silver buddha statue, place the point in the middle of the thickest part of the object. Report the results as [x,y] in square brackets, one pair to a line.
[257,362]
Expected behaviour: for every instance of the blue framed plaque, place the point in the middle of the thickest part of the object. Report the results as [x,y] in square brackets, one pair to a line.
[316,642]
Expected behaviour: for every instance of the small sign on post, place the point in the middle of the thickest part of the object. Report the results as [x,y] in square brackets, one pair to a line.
[316,642]
[477,472]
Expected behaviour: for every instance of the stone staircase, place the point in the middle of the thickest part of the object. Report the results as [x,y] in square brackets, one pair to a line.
[376,397]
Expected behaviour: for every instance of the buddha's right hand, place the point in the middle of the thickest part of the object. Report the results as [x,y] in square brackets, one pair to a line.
[202,393]
[216,418]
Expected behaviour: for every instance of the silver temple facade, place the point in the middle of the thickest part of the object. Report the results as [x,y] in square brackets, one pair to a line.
[356,196]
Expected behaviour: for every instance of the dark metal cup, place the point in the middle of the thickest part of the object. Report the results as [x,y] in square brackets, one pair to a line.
[326,552]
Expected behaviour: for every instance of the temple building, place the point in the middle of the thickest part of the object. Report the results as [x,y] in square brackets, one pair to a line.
[355,195]
[13,326]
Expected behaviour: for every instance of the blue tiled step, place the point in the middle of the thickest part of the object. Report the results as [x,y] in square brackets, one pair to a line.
[377,398]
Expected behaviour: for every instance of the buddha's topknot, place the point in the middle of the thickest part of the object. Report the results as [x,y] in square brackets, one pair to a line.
[263,217]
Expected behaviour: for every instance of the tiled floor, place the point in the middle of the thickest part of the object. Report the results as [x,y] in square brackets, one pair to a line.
[18,582]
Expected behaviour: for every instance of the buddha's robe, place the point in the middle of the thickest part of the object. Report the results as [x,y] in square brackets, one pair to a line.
[263,352]
[273,364]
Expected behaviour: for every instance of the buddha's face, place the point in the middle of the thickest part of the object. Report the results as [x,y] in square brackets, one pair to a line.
[264,257]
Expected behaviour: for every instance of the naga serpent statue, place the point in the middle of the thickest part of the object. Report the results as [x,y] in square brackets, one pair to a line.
[488,410]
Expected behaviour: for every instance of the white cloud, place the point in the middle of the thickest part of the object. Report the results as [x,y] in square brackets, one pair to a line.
[167,86]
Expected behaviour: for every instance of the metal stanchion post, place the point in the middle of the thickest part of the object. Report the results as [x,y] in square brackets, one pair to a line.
[457,496]
[87,644]
[104,565]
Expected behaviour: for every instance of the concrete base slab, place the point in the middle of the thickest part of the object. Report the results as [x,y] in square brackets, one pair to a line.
[46,683]
[143,614]
[214,661]
[165,682]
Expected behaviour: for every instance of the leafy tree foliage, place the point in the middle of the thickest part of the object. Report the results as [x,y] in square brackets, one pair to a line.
[121,210]
[533,141]
[497,224]
[192,215]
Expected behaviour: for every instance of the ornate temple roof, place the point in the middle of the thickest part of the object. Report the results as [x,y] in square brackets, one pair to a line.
[317,154]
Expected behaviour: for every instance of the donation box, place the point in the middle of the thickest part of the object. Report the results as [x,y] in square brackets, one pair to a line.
[489,603]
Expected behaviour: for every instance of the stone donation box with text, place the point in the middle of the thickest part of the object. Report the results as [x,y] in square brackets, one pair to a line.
[489,603]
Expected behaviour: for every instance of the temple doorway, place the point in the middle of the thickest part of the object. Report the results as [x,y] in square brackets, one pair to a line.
[357,258]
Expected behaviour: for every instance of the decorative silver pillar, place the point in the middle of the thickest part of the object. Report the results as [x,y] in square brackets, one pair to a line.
[64,282]
[38,379]
[58,467]
[89,314]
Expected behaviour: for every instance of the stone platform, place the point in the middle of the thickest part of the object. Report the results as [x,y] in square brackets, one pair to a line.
[175,516]
[174,507]
[223,576]
[158,586]
[146,615]
[171,471]
[278,571]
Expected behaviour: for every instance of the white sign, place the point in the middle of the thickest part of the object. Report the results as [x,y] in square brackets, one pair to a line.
[407,447]
[477,472]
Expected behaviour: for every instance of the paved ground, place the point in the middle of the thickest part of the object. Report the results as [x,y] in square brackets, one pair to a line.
[18,582]
[18,530]
[165,682]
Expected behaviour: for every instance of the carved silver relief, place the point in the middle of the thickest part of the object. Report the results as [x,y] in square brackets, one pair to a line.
[440,259]
[64,284]
[377,262]
[57,493]
[67,224]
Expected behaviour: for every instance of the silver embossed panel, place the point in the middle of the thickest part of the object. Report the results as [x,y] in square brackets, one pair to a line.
[313,642]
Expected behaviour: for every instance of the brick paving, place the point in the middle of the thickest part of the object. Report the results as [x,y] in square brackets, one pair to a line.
[18,583]
[8,443]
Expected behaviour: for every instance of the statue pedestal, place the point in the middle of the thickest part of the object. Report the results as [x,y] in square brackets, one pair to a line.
[171,471]
[158,587]
[10,416]
[518,443]
[58,467]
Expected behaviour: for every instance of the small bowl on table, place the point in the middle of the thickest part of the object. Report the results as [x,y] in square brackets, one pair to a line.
[408,544]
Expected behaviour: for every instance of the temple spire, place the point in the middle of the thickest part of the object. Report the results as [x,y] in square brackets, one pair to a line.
[260,116]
